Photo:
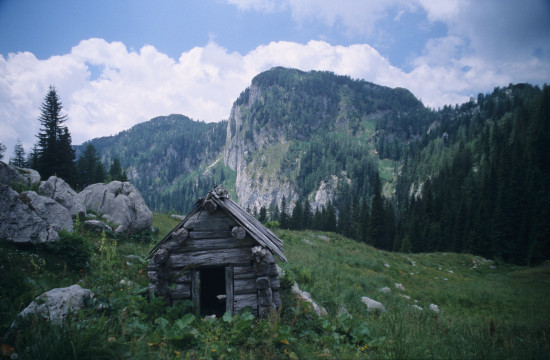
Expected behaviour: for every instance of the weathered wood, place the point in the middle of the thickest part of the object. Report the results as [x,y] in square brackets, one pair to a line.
[213,244]
[262,282]
[261,268]
[275,283]
[153,276]
[161,256]
[180,291]
[210,206]
[238,232]
[277,299]
[196,289]
[210,257]
[170,245]
[196,235]
[242,301]
[265,297]
[180,235]
[229,289]
[203,221]
[180,277]
[244,272]
[273,270]
[244,286]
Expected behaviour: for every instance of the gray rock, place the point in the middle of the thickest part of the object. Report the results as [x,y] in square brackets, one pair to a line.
[11,174]
[305,296]
[57,189]
[56,304]
[31,218]
[385,290]
[434,308]
[373,305]
[417,307]
[399,287]
[119,203]
[96,225]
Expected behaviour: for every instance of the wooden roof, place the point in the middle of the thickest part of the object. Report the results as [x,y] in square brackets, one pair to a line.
[253,227]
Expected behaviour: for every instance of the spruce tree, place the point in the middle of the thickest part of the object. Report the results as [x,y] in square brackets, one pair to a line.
[377,219]
[18,158]
[116,172]
[284,219]
[2,150]
[89,168]
[55,155]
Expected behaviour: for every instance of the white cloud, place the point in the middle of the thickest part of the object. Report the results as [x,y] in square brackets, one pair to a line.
[135,86]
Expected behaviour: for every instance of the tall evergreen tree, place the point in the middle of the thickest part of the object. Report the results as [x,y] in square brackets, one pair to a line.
[2,150]
[89,168]
[284,219]
[377,219]
[18,158]
[116,172]
[55,155]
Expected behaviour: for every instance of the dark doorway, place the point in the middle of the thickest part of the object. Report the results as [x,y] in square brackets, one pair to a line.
[213,293]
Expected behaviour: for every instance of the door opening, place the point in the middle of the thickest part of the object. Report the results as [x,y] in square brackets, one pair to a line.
[213,291]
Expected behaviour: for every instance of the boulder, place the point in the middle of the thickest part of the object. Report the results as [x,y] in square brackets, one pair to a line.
[399,287]
[119,203]
[57,189]
[31,218]
[11,174]
[373,305]
[305,296]
[96,225]
[56,304]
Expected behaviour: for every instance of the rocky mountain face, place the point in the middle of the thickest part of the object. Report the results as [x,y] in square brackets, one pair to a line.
[285,113]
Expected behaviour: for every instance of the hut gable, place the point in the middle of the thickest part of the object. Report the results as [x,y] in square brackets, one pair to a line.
[220,257]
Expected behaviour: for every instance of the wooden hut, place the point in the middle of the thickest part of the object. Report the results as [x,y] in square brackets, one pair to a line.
[220,257]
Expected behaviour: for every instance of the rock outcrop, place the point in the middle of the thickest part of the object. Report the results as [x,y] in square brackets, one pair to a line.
[306,297]
[12,174]
[57,189]
[31,218]
[373,305]
[119,203]
[56,304]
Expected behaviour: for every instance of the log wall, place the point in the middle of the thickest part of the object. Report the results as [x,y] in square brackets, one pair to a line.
[215,240]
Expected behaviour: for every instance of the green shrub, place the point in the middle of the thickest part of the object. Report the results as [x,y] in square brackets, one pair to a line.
[75,249]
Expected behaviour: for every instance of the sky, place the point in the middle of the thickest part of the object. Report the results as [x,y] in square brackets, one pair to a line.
[118,63]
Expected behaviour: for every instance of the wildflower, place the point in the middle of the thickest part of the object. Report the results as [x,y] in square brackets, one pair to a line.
[177,353]
[111,339]
[284,341]
[213,350]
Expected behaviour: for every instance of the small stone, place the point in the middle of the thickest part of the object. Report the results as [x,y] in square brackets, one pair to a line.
[385,290]
[417,307]
[373,305]
[399,287]
[387,265]
[434,308]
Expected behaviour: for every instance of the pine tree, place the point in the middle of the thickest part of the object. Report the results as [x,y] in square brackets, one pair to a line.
[89,168]
[263,215]
[377,219]
[116,172]
[18,158]
[55,155]
[284,219]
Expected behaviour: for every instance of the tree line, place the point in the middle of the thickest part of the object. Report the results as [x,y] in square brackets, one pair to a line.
[53,154]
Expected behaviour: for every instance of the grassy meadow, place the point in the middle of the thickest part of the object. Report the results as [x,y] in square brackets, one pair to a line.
[488,310]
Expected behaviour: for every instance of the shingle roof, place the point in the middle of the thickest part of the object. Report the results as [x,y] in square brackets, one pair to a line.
[253,227]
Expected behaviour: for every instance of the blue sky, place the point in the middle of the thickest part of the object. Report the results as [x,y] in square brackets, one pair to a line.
[118,63]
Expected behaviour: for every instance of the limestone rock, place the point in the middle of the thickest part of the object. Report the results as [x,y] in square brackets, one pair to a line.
[11,174]
[31,218]
[96,225]
[385,290]
[434,308]
[305,296]
[57,189]
[120,203]
[373,305]
[399,287]
[56,304]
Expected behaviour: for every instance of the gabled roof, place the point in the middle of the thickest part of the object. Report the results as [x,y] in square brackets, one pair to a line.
[253,227]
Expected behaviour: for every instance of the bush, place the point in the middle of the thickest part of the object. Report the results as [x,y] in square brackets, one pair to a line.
[74,248]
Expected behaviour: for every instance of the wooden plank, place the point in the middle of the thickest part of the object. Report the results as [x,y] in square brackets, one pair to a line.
[210,257]
[177,276]
[153,276]
[196,289]
[241,301]
[180,291]
[244,272]
[229,289]
[244,286]
[275,283]
[203,221]
[214,244]
[209,234]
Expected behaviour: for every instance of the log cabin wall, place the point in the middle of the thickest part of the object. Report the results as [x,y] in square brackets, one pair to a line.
[212,240]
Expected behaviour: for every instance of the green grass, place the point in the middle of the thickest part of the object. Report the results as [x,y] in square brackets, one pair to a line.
[495,311]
